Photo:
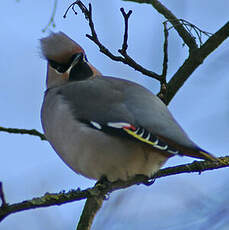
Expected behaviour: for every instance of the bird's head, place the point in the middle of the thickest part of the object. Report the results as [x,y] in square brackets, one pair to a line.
[66,60]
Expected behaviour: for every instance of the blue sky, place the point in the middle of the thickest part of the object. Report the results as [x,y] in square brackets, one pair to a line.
[29,167]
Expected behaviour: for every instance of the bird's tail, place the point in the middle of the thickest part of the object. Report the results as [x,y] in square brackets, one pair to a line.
[202,154]
[193,152]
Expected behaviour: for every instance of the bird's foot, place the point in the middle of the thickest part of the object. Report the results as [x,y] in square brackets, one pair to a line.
[102,183]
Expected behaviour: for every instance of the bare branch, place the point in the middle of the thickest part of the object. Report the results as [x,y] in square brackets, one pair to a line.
[33,132]
[195,59]
[125,58]
[45,201]
[196,55]
[165,49]
[125,38]
[163,81]
[74,195]
[184,34]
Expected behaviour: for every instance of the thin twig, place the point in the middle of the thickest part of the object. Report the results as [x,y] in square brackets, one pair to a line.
[189,27]
[2,197]
[194,60]
[165,64]
[165,49]
[125,37]
[51,21]
[74,195]
[33,132]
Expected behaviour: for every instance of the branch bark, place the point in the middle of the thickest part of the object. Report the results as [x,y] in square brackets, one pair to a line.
[32,132]
[91,207]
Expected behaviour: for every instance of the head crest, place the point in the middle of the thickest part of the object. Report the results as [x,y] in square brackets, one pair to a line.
[59,47]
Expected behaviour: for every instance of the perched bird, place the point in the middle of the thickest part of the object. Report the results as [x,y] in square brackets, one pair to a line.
[104,126]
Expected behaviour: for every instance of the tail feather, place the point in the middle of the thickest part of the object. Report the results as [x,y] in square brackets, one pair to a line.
[207,156]
[193,152]
[201,154]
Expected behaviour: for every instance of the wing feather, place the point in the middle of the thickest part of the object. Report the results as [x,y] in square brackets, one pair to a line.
[106,100]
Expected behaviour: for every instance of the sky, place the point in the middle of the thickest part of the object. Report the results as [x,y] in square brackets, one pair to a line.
[29,167]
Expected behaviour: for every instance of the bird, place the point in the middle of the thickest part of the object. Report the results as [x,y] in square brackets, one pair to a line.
[104,126]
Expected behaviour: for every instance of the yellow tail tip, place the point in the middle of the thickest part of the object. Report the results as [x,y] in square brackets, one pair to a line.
[211,158]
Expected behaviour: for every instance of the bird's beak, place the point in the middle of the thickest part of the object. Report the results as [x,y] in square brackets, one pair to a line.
[75,62]
[76,59]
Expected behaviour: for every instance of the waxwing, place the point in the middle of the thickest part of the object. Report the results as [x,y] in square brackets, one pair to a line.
[104,126]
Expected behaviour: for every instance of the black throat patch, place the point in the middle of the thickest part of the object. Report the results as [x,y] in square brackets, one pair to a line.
[80,72]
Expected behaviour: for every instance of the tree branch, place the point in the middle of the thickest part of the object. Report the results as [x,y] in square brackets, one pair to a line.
[163,81]
[125,58]
[126,20]
[91,207]
[33,132]
[196,55]
[75,195]
[188,39]
[195,59]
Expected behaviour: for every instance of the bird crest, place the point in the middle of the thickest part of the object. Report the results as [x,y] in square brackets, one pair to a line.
[59,47]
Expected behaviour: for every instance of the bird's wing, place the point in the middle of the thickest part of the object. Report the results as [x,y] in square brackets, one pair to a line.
[121,107]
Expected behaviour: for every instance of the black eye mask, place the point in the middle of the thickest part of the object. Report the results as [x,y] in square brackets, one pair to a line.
[61,68]
[80,71]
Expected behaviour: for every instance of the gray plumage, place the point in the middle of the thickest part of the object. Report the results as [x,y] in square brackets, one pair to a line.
[68,103]
[107,99]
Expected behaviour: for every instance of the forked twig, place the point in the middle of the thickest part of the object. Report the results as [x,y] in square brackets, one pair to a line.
[125,37]
[125,58]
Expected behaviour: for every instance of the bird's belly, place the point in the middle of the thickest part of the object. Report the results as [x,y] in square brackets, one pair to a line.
[94,154]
